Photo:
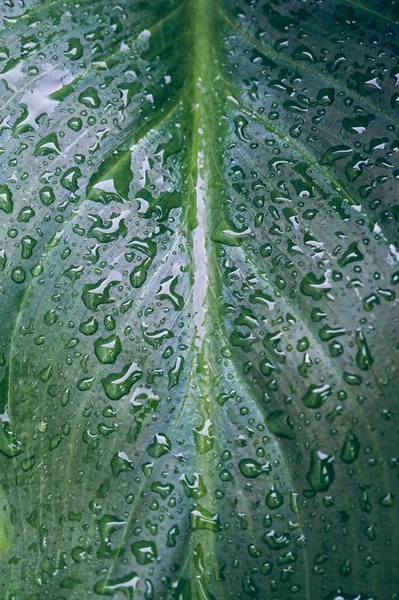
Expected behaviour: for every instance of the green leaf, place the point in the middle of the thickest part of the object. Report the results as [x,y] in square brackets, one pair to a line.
[198,327]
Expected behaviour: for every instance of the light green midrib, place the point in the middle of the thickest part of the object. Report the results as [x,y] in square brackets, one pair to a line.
[202,74]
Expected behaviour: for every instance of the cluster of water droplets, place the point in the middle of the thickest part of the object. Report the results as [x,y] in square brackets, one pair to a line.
[138,463]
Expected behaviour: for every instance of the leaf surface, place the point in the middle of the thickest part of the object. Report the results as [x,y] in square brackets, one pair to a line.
[199,365]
